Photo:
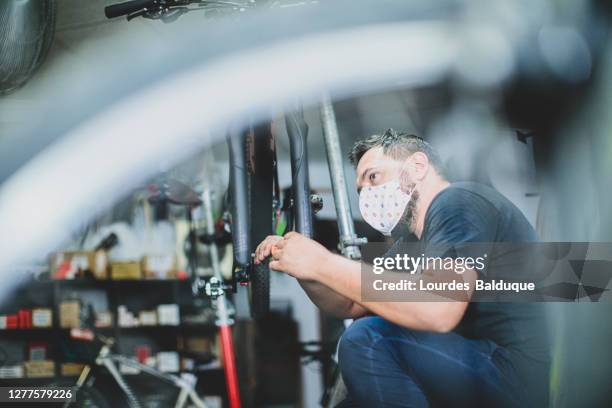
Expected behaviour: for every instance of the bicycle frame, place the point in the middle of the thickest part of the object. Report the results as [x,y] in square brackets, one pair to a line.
[349,242]
[108,360]
[241,237]
[297,130]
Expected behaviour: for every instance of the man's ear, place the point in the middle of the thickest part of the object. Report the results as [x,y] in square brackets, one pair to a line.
[419,163]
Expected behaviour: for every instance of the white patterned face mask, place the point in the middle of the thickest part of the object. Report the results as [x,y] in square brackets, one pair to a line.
[383,206]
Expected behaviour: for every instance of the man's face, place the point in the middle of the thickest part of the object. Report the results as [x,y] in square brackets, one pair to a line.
[376,168]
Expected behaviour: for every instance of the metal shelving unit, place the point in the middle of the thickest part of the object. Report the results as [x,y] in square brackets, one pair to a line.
[170,290]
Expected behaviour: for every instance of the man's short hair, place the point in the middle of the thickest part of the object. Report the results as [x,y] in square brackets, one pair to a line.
[397,145]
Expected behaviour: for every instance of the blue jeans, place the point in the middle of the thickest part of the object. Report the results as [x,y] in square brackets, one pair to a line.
[385,365]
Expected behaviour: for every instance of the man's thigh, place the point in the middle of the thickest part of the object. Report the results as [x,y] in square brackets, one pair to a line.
[395,363]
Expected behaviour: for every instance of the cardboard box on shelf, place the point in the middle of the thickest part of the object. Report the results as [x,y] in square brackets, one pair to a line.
[125,270]
[71,369]
[70,314]
[168,315]
[39,369]
[14,371]
[73,264]
[148,318]
[199,344]
[100,271]
[159,266]
[104,319]
[37,351]
[42,317]
[168,361]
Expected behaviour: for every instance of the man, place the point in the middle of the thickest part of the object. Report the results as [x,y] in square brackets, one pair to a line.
[418,354]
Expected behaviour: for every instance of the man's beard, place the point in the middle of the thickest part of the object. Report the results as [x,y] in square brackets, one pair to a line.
[410,213]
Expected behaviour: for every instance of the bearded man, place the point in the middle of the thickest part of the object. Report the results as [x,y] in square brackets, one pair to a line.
[419,354]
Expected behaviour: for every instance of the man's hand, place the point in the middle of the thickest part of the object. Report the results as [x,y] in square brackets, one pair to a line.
[264,249]
[298,256]
[303,258]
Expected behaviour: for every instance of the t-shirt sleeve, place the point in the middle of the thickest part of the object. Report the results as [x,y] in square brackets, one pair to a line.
[460,224]
[461,216]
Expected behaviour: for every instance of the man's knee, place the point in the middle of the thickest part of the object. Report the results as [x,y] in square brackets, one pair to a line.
[362,332]
[368,360]
[362,335]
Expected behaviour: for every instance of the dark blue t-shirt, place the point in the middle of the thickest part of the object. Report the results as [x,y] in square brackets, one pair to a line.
[474,213]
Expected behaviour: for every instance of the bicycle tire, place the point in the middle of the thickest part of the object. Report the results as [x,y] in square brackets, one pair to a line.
[25,51]
[259,290]
[260,157]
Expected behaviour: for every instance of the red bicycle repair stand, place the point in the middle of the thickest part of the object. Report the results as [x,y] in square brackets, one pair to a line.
[229,365]
[222,309]
[224,323]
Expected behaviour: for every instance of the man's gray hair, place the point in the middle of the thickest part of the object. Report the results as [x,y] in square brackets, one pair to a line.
[397,145]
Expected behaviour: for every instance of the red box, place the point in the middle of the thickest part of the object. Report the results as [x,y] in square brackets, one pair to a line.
[143,353]
[12,321]
[37,351]
[24,318]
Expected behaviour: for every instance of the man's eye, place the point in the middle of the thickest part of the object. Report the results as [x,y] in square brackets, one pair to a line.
[372,176]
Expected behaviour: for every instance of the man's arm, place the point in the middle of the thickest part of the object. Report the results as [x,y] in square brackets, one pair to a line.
[343,276]
[330,301]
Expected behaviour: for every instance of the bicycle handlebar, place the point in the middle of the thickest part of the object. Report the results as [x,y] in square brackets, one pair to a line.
[122,9]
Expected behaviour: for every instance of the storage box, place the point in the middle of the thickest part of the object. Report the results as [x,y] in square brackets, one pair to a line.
[199,344]
[24,317]
[168,315]
[168,361]
[70,314]
[12,321]
[148,318]
[42,317]
[72,264]
[143,352]
[100,268]
[104,319]
[159,266]
[125,270]
[37,351]
[15,371]
[72,369]
[39,369]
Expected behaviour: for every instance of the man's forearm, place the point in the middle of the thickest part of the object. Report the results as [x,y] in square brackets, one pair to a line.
[330,301]
[344,277]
